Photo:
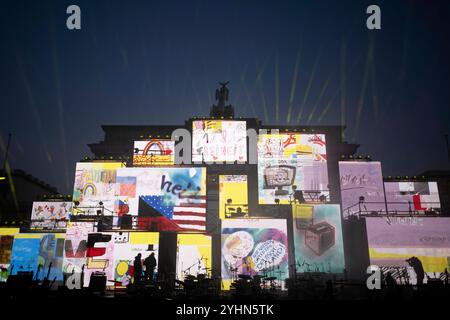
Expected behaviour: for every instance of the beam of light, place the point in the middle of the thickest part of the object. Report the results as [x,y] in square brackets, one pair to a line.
[182,102]
[363,90]
[208,92]
[60,105]
[146,85]
[241,85]
[277,91]
[2,178]
[34,109]
[294,83]
[374,88]
[322,92]
[249,99]
[263,101]
[338,90]
[197,97]
[343,86]
[10,178]
[308,88]
[259,86]
[402,71]
[327,106]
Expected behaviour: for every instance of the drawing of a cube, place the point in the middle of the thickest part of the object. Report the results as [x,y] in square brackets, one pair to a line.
[320,237]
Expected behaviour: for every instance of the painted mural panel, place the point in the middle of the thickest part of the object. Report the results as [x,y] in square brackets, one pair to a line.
[233,196]
[361,187]
[171,199]
[50,215]
[193,255]
[292,162]
[254,247]
[153,152]
[318,241]
[95,187]
[410,196]
[410,249]
[219,141]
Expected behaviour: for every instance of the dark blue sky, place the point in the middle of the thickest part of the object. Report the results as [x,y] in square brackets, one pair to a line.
[158,62]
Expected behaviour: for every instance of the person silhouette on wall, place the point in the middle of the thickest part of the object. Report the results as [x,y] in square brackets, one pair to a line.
[137,269]
[416,264]
[150,264]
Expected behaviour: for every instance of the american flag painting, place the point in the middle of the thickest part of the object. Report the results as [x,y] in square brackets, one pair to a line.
[189,214]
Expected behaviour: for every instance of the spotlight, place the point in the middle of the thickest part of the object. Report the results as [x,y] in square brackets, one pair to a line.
[342,156]
[100,203]
[277,201]
[229,201]
[76,203]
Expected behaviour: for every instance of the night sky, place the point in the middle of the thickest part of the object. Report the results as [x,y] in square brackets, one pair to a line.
[158,62]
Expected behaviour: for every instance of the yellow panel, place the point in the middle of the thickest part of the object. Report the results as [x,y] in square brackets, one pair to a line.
[38,235]
[28,236]
[194,239]
[144,237]
[302,211]
[429,263]
[236,191]
[9,231]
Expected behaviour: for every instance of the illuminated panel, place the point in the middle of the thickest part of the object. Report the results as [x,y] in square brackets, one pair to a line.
[193,255]
[400,245]
[127,245]
[234,188]
[99,256]
[318,238]
[292,159]
[40,253]
[6,245]
[75,246]
[219,141]
[167,199]
[153,152]
[361,179]
[50,215]
[254,247]
[95,183]
[405,197]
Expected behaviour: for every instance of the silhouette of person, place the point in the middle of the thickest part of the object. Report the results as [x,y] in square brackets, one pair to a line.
[137,269]
[416,264]
[390,281]
[150,264]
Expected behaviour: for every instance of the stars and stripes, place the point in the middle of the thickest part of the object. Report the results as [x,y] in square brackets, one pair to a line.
[189,214]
